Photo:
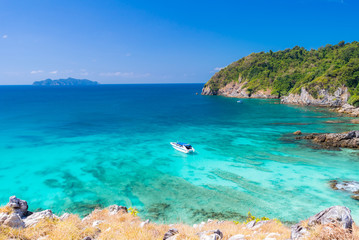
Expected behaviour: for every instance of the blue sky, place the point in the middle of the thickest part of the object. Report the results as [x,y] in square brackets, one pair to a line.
[158,41]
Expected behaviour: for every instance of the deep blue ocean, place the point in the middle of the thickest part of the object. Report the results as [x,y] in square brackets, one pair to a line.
[78,148]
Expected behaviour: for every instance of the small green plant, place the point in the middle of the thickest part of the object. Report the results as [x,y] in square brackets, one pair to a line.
[133,211]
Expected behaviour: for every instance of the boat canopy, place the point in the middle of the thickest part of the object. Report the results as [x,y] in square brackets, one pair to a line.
[184,144]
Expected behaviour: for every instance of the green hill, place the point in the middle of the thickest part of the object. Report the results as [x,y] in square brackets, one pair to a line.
[287,71]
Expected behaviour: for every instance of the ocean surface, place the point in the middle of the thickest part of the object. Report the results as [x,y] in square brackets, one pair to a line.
[78,148]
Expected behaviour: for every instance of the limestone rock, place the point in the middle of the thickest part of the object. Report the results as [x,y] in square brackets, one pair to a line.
[96,223]
[114,209]
[3,217]
[237,237]
[254,224]
[19,206]
[349,186]
[337,99]
[297,132]
[142,224]
[208,91]
[335,140]
[171,233]
[64,216]
[14,221]
[211,235]
[336,214]
[37,216]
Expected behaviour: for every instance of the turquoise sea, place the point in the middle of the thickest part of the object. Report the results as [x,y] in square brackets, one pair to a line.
[77,148]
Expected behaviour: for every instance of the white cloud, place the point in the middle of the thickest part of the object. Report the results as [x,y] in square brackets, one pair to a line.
[4,36]
[218,69]
[54,72]
[125,74]
[36,71]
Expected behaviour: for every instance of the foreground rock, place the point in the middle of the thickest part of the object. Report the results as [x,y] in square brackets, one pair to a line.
[18,216]
[337,215]
[335,140]
[171,234]
[210,235]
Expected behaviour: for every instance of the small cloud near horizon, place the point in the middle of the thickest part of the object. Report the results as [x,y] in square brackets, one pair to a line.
[216,69]
[4,36]
[36,71]
[124,74]
[54,72]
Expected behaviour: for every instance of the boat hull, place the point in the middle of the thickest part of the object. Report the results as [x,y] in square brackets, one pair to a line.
[181,149]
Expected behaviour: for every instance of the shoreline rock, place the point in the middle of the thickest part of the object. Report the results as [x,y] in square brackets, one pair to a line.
[338,101]
[334,140]
[347,186]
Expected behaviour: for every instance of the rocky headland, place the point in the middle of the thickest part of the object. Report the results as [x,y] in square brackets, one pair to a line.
[295,76]
[119,222]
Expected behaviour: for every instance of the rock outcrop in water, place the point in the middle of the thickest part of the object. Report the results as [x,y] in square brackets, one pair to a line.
[115,222]
[18,216]
[334,140]
[347,186]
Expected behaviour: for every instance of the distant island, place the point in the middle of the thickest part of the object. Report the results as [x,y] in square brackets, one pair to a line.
[65,82]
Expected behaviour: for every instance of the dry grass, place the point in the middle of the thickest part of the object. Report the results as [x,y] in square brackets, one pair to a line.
[124,226]
[333,232]
[6,209]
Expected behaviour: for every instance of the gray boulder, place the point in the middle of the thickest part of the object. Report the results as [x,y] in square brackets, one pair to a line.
[19,206]
[14,221]
[210,235]
[254,224]
[114,209]
[34,218]
[64,216]
[336,214]
[3,217]
[170,234]
[142,224]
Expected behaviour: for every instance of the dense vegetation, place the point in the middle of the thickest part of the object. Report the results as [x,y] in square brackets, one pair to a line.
[288,71]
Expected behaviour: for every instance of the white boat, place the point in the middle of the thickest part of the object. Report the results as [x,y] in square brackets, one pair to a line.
[182,147]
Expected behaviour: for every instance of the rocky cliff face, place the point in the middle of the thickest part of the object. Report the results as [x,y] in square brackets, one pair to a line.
[337,99]
[237,90]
